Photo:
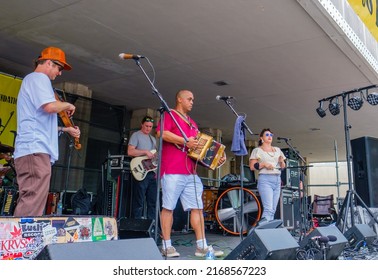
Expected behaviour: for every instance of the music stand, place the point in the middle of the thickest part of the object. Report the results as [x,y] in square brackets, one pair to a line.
[351,194]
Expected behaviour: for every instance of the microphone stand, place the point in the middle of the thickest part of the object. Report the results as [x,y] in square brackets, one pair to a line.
[302,192]
[164,108]
[70,145]
[244,126]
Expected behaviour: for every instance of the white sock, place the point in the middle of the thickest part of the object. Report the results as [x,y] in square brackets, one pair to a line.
[167,244]
[201,243]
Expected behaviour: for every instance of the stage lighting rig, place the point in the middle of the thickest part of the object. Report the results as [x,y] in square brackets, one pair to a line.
[355,100]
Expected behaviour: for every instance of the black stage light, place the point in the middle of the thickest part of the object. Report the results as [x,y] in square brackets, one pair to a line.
[355,102]
[372,98]
[320,110]
[334,107]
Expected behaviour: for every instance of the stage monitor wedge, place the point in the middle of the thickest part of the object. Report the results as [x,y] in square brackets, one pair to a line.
[126,249]
[266,244]
[360,233]
[335,247]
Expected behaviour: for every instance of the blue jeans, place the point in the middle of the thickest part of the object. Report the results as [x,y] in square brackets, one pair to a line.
[145,191]
[269,187]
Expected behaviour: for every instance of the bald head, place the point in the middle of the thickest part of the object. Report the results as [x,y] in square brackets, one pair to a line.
[183,93]
[184,100]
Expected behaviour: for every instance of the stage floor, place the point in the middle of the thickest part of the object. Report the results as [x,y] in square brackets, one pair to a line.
[185,244]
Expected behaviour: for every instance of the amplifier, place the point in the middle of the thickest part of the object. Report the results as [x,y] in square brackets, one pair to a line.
[119,162]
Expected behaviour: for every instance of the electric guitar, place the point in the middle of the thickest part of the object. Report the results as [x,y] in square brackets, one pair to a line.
[140,166]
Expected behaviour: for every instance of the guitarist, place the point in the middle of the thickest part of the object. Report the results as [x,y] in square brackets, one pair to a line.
[141,144]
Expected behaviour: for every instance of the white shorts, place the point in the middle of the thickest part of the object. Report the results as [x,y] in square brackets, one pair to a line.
[188,188]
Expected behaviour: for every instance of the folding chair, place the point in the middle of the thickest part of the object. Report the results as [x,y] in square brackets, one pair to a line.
[322,210]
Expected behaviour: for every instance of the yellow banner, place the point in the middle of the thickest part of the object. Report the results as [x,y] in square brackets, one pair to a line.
[367,12]
[9,87]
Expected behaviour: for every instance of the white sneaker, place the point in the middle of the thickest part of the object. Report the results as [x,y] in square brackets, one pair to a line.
[170,252]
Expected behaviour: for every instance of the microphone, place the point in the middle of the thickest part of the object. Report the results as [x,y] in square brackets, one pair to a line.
[130,56]
[283,138]
[332,238]
[223,97]
[321,239]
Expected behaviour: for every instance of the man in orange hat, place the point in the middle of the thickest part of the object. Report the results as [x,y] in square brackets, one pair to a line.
[36,147]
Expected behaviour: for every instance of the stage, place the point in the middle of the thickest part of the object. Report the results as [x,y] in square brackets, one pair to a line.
[184,242]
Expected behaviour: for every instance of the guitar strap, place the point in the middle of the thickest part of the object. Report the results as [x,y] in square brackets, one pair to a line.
[153,145]
[187,121]
[184,118]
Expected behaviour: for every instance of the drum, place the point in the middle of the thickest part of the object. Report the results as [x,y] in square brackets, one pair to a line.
[228,208]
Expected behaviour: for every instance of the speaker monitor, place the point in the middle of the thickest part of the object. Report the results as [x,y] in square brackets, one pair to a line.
[128,249]
[365,166]
[359,233]
[266,244]
[136,228]
[335,247]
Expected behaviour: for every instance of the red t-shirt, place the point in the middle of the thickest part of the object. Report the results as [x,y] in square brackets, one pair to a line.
[174,160]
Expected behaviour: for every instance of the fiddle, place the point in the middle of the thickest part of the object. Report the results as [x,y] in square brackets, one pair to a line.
[68,122]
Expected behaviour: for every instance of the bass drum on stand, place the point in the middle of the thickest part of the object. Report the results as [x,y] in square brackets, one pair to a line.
[228,208]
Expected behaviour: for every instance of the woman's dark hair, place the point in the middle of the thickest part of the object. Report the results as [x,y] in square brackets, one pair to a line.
[262,134]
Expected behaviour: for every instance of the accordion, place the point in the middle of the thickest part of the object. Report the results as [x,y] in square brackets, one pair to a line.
[210,152]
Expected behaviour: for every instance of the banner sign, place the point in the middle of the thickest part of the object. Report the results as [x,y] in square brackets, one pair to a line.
[9,87]
[367,12]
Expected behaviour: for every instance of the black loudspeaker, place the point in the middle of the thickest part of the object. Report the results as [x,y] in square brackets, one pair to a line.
[136,228]
[266,244]
[365,166]
[335,247]
[130,249]
[360,233]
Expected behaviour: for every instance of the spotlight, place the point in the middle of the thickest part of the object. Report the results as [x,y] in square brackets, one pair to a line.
[334,107]
[320,110]
[355,102]
[372,98]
